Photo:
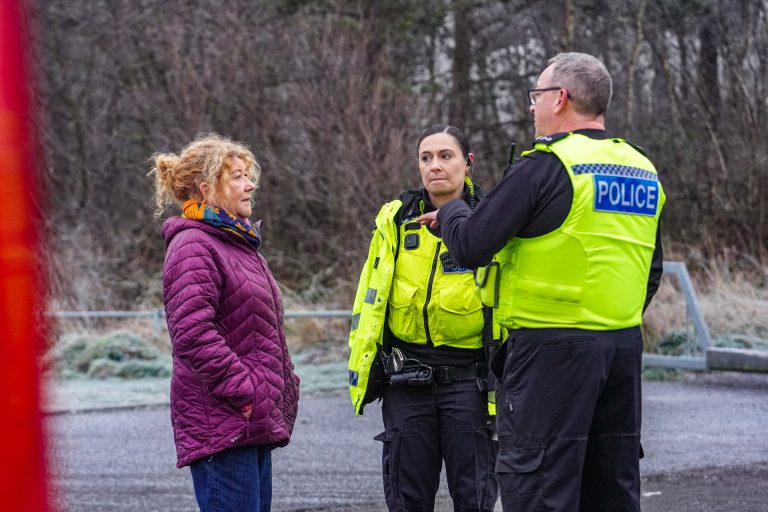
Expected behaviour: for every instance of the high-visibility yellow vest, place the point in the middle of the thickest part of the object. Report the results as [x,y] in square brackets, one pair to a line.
[591,272]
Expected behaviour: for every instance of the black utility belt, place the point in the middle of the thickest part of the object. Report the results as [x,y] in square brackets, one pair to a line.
[424,375]
[451,374]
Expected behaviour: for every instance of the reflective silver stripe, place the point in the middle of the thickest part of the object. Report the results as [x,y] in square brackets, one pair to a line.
[355,321]
[615,170]
[370,296]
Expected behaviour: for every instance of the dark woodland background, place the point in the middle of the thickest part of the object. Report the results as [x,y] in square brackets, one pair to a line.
[332,95]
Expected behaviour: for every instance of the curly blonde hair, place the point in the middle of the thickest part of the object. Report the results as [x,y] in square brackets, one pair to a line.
[207,159]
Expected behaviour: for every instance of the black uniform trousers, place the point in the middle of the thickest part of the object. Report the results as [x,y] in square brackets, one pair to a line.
[425,426]
[569,421]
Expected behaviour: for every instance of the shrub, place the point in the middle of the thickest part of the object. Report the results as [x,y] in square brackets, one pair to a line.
[116,354]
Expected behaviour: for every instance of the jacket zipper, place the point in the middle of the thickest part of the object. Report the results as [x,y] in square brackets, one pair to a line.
[429,293]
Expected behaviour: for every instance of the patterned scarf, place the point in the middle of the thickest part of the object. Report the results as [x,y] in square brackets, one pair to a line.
[221,218]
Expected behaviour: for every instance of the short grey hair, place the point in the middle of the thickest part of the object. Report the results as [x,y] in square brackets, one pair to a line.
[586,79]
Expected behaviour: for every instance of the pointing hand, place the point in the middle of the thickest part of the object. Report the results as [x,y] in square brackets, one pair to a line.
[429,219]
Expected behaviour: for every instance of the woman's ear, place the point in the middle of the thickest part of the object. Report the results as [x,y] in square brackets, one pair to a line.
[204,192]
[470,161]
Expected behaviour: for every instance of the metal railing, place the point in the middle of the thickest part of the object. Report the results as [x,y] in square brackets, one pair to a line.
[693,312]
[158,315]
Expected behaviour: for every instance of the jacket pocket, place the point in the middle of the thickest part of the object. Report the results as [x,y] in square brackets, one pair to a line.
[460,316]
[404,310]
[460,299]
[519,460]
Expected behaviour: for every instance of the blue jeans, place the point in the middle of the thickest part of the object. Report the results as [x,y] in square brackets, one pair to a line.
[235,480]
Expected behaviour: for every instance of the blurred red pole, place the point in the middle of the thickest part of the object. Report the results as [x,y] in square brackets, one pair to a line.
[23,477]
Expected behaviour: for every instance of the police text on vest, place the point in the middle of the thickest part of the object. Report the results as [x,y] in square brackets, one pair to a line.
[624,194]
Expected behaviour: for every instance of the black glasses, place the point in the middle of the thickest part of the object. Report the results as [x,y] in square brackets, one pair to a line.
[533,93]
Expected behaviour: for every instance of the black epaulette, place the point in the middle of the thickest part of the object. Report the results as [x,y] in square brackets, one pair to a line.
[549,139]
[640,149]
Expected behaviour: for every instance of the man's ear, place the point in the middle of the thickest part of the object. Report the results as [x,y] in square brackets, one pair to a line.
[562,100]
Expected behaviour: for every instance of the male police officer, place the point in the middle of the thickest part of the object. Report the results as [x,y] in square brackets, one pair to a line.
[574,229]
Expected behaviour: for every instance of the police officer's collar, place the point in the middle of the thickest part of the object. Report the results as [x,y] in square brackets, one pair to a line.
[429,207]
[592,133]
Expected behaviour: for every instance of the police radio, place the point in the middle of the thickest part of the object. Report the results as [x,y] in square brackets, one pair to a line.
[512,149]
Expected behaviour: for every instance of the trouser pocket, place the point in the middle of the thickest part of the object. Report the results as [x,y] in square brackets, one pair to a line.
[486,487]
[411,470]
[389,468]
[520,478]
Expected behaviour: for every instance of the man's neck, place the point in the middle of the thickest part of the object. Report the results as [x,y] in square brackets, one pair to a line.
[581,124]
[570,121]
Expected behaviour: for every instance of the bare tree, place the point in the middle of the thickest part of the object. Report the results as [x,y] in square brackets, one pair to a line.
[331,95]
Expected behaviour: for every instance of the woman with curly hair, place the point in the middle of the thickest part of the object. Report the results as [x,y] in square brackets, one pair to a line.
[234,394]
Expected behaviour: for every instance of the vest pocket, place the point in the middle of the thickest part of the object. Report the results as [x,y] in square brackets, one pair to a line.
[540,300]
[550,291]
[487,284]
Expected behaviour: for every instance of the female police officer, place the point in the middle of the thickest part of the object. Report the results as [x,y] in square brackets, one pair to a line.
[416,341]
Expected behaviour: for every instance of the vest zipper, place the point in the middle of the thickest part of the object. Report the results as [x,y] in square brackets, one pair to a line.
[429,293]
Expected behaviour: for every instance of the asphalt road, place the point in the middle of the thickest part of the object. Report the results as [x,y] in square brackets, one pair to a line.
[705,444]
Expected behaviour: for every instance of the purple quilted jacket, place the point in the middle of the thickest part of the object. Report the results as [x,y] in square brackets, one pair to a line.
[225,318]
